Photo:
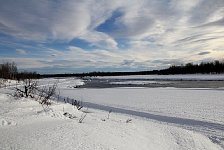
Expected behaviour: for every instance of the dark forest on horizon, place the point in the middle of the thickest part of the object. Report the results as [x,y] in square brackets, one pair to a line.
[216,67]
[10,71]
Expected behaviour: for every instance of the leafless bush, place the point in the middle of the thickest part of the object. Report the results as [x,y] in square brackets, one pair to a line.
[77,104]
[82,117]
[70,116]
[128,120]
[45,95]
[27,89]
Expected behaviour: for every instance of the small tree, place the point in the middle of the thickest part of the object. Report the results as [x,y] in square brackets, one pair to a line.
[45,95]
[27,89]
[77,104]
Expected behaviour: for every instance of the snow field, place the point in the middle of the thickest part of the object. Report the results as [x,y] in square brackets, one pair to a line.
[199,104]
[61,82]
[36,129]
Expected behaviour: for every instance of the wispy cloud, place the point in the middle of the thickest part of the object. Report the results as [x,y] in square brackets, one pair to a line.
[119,34]
[26,63]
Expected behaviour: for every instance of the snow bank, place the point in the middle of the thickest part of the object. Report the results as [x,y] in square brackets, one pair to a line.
[62,82]
[36,129]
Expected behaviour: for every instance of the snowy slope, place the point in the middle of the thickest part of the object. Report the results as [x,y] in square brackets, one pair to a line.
[25,126]
[161,118]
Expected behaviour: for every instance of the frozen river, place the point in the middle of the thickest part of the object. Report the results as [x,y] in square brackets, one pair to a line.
[194,104]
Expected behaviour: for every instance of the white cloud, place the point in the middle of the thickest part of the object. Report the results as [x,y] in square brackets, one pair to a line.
[68,19]
[154,30]
[100,39]
[25,63]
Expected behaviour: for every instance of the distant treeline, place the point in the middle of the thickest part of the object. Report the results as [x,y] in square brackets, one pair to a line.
[215,67]
[10,71]
[92,74]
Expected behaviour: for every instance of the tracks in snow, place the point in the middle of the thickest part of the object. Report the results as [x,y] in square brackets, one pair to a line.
[215,131]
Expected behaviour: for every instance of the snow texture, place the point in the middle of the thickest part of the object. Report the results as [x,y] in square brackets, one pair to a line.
[141,118]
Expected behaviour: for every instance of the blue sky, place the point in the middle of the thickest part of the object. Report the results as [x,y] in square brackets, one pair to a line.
[67,36]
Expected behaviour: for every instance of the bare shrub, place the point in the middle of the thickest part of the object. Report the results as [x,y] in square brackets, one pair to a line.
[45,95]
[70,116]
[27,89]
[128,120]
[82,117]
[77,104]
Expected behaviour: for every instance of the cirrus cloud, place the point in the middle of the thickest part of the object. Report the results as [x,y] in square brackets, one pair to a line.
[116,34]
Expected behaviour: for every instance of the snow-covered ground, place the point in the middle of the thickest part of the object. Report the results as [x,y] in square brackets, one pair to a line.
[7,83]
[24,125]
[199,104]
[62,82]
[161,118]
[195,109]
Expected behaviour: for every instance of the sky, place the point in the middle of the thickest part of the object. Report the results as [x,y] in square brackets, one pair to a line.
[71,36]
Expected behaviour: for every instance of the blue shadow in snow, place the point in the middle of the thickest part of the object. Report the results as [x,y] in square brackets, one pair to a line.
[165,119]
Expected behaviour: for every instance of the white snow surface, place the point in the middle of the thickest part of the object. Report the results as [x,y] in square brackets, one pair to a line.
[198,77]
[160,119]
[7,83]
[199,104]
[25,126]
[196,109]
[61,82]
